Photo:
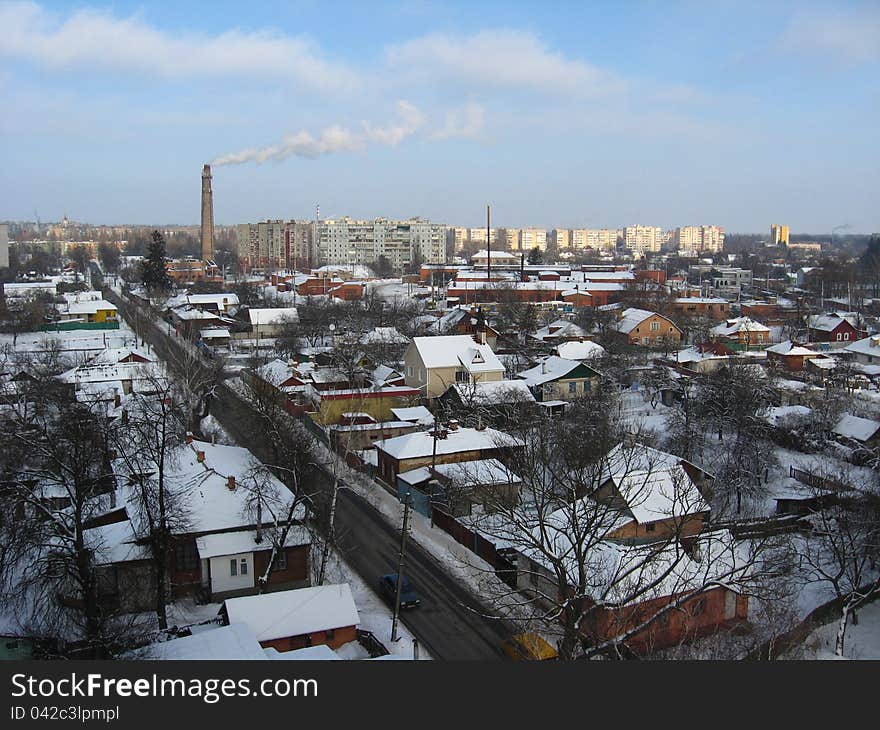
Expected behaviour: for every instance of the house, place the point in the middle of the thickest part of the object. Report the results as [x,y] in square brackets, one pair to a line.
[581,351]
[434,363]
[742,331]
[286,378]
[866,351]
[693,589]
[790,355]
[862,431]
[88,310]
[834,327]
[414,414]
[231,642]
[658,494]
[356,434]
[562,330]
[287,620]
[220,549]
[460,321]
[712,307]
[556,378]
[703,358]
[646,328]
[331,404]
[218,303]
[270,322]
[457,487]
[113,373]
[441,446]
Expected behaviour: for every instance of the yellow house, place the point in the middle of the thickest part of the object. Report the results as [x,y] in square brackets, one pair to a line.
[432,364]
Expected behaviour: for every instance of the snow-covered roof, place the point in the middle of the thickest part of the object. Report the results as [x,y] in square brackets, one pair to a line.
[856,428]
[213,333]
[560,328]
[481,472]
[550,368]
[319,652]
[497,255]
[245,541]
[579,350]
[653,483]
[631,318]
[790,348]
[235,641]
[737,325]
[446,351]
[89,307]
[866,346]
[384,336]
[494,392]
[830,322]
[293,613]
[421,443]
[273,315]
[114,355]
[777,415]
[417,414]
[275,371]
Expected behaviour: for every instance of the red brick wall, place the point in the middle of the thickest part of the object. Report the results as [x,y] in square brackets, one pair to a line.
[334,639]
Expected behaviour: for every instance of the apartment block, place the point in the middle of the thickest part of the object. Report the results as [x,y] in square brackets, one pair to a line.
[560,238]
[348,241]
[478,235]
[642,239]
[778,234]
[699,238]
[530,238]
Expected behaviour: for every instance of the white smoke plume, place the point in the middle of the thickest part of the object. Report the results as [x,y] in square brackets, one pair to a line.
[332,139]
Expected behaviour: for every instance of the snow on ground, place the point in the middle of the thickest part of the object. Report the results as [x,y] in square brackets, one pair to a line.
[391,289]
[375,615]
[214,431]
[862,640]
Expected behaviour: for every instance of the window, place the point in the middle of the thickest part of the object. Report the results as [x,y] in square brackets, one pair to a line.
[330,634]
[839,336]
[244,566]
[572,387]
[186,556]
[650,527]
[462,376]
[846,335]
[655,326]
[281,560]
[233,567]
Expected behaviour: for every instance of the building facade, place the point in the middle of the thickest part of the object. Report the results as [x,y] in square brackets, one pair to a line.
[642,239]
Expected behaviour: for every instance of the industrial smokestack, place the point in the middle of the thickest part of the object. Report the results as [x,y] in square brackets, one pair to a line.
[207,232]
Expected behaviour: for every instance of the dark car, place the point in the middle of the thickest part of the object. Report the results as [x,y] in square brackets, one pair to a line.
[408,597]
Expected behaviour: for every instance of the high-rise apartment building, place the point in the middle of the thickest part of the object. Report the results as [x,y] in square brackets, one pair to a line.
[642,239]
[560,238]
[709,239]
[509,238]
[478,235]
[778,234]
[277,244]
[4,245]
[347,241]
[530,238]
[458,236]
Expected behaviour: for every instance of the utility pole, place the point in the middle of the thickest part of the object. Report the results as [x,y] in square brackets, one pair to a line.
[488,246]
[400,565]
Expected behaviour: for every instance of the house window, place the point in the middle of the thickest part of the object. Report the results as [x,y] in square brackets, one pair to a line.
[233,567]
[330,634]
[572,387]
[281,560]
[462,376]
[839,336]
[186,556]
[846,335]
[655,326]
[650,527]
[244,566]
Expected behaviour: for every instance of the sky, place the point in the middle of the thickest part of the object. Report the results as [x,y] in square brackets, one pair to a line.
[558,114]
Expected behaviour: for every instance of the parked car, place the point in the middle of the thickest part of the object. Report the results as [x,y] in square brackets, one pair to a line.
[408,596]
[529,647]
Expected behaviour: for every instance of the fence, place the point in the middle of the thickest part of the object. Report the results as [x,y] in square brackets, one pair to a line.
[471,539]
[818,482]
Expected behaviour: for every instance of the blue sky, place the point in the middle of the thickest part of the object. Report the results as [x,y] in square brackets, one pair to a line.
[581,114]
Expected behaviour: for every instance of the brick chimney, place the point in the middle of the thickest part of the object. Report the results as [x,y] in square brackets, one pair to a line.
[200,456]
[230,483]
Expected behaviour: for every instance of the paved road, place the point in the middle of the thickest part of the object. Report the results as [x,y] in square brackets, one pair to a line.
[445,623]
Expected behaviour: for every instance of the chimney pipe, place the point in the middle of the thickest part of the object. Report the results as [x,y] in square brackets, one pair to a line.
[200,456]
[230,483]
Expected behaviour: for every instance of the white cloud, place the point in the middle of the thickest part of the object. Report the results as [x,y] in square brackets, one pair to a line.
[465,121]
[850,36]
[332,139]
[95,39]
[498,58]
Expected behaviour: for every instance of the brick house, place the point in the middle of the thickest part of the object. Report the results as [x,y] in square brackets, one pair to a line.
[646,328]
[791,355]
[712,307]
[742,331]
[295,619]
[834,327]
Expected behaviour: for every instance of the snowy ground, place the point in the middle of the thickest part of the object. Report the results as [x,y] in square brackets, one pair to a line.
[392,289]
[862,640]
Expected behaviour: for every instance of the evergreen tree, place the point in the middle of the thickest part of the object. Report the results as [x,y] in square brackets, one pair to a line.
[535,256]
[153,272]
